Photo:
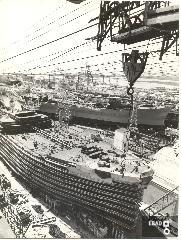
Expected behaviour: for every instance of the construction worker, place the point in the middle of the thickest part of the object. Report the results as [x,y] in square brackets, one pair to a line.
[35,144]
[122,170]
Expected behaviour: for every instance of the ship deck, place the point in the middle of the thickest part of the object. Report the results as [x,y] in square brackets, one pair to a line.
[67,145]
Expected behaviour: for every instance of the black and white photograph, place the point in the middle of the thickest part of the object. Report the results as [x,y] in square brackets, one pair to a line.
[89,119]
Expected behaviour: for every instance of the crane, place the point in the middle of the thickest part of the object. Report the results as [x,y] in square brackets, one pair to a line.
[129,22]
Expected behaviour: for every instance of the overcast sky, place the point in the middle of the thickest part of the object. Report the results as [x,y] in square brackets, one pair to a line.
[25,24]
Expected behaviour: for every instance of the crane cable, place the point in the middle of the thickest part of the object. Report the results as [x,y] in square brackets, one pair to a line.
[132,126]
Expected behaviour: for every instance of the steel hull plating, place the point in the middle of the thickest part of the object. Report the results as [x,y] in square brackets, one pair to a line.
[145,116]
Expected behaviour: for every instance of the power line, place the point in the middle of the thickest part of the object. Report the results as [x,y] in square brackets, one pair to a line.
[52,22]
[109,63]
[34,25]
[72,49]
[110,71]
[65,52]
[45,44]
[102,54]
[64,24]
[115,62]
[104,63]
[87,57]
[97,55]
[61,25]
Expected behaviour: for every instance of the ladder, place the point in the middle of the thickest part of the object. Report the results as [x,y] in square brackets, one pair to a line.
[163,202]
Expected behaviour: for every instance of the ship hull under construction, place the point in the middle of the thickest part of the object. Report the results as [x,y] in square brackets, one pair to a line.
[145,116]
[116,203]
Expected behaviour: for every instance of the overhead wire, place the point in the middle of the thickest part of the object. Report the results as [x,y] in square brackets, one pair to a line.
[69,60]
[61,25]
[61,52]
[86,57]
[97,55]
[50,42]
[37,47]
[65,52]
[78,8]
[156,51]
[34,25]
[99,64]
[74,47]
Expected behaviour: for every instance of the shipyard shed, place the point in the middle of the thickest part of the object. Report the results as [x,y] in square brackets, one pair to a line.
[165,178]
[166,166]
